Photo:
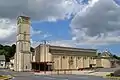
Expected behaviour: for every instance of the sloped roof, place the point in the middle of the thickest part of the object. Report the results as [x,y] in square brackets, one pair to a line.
[2,57]
[106,54]
[72,49]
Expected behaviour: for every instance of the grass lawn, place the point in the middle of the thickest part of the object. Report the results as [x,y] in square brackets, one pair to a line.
[3,77]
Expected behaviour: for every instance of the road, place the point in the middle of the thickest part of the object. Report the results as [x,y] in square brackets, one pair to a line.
[31,76]
[108,69]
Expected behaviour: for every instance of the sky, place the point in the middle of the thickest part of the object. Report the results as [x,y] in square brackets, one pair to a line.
[70,23]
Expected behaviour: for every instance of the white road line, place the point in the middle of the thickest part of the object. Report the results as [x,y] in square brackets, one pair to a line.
[49,77]
[55,78]
[82,77]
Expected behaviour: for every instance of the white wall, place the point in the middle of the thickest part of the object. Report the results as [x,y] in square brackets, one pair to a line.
[2,64]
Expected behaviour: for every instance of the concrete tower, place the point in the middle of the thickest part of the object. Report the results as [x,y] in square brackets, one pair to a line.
[23,54]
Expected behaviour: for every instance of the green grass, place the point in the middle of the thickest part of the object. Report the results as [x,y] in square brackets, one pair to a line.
[109,76]
[4,77]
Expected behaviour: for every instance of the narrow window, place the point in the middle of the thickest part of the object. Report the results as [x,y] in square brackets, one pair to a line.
[26,67]
[78,57]
[63,57]
[71,57]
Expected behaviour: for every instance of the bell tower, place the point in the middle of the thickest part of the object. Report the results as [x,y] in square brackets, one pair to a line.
[22,56]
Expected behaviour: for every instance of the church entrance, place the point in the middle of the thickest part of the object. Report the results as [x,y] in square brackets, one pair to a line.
[41,66]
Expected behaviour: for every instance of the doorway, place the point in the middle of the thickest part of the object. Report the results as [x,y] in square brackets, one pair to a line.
[42,66]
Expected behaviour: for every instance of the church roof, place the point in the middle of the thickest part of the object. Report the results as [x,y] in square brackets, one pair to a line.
[106,54]
[72,49]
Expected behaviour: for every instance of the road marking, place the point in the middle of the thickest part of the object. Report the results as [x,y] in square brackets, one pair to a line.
[82,77]
[55,78]
[49,77]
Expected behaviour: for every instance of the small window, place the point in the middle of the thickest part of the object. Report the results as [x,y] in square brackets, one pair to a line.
[12,64]
[1,64]
[85,57]
[63,57]
[26,67]
[78,57]
[92,58]
[71,57]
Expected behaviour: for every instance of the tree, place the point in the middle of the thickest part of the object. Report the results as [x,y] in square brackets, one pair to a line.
[116,57]
[9,51]
[13,49]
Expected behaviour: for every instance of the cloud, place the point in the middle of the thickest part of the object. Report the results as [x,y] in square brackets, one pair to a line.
[34,32]
[47,35]
[95,22]
[8,31]
[39,9]
[98,23]
[65,43]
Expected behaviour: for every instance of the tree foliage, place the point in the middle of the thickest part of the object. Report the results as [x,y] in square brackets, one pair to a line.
[9,51]
[116,57]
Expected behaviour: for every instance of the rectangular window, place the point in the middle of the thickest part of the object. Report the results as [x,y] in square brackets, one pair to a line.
[85,57]
[71,57]
[79,57]
[1,64]
[63,57]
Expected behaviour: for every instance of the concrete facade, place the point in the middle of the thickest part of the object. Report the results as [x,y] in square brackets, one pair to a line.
[62,58]
[65,57]
[106,60]
[22,55]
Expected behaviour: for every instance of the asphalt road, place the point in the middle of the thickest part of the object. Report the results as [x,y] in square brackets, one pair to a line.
[108,69]
[31,76]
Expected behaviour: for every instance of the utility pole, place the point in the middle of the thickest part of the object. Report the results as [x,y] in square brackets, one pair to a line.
[44,44]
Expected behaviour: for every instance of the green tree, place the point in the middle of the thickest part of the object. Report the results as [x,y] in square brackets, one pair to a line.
[9,51]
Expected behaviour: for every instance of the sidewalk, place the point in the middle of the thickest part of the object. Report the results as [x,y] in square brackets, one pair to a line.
[74,72]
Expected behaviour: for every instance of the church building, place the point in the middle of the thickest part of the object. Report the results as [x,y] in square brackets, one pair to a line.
[47,57]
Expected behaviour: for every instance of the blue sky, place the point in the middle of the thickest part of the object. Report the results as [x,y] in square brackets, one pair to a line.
[90,26]
[59,30]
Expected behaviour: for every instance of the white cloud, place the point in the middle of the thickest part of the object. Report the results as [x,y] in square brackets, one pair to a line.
[65,43]
[47,35]
[34,32]
[8,31]
[50,10]
[97,24]
[37,9]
